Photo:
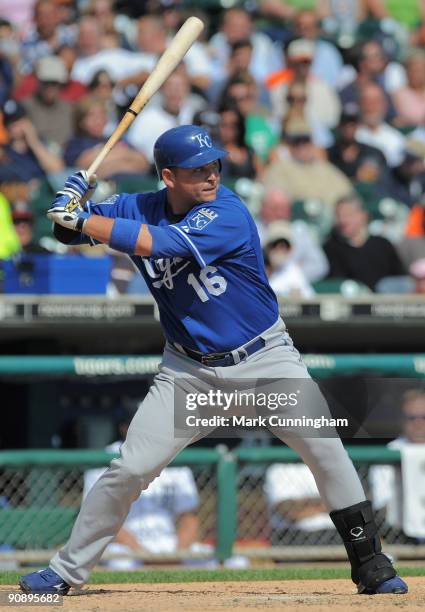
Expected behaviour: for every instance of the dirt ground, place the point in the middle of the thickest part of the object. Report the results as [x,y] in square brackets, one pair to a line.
[288,595]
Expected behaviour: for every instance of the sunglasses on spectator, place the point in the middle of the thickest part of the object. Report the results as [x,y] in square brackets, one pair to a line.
[415,417]
[291,99]
[295,141]
[242,98]
[49,83]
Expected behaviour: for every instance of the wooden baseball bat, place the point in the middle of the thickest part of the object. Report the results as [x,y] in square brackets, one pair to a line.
[168,61]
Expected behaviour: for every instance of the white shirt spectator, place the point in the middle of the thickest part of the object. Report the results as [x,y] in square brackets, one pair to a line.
[294,481]
[154,121]
[198,62]
[327,62]
[385,138]
[266,56]
[305,251]
[291,281]
[388,492]
[152,517]
[394,77]
[119,64]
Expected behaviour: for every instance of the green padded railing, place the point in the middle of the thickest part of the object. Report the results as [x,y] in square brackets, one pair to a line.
[17,524]
[320,365]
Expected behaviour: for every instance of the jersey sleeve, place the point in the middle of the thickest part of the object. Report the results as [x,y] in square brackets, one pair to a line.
[208,233]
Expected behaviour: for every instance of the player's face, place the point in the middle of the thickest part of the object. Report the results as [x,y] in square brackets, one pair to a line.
[195,185]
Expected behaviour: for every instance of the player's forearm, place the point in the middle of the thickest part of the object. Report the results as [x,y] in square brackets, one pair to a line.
[187,530]
[127,538]
[48,161]
[104,230]
[298,509]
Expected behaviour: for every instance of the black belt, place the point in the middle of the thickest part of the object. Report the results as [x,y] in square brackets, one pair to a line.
[223,359]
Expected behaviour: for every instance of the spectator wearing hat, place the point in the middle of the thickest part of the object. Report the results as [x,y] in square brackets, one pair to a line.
[306,252]
[353,253]
[47,35]
[302,174]
[285,276]
[14,187]
[23,220]
[298,110]
[322,101]
[25,149]
[52,116]
[71,91]
[327,61]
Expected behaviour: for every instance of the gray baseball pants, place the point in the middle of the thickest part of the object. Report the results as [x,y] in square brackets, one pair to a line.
[151,445]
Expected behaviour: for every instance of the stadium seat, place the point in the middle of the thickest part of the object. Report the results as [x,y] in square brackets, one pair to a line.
[342,286]
[315,214]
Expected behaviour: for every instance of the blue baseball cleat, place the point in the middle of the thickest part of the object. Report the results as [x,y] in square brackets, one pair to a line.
[44,581]
[393,586]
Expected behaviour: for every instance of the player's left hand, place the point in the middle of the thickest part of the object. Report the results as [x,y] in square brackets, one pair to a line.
[78,186]
[71,219]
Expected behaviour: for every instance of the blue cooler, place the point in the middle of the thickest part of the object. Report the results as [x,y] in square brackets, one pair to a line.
[57,274]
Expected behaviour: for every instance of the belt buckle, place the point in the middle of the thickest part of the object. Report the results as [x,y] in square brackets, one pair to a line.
[209,360]
[205,360]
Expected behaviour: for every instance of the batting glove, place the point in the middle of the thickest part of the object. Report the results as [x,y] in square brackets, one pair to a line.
[77,187]
[71,219]
[80,185]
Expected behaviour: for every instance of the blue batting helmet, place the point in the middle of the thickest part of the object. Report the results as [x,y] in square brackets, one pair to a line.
[186,146]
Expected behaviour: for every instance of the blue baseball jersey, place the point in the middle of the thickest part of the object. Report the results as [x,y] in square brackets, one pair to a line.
[206,271]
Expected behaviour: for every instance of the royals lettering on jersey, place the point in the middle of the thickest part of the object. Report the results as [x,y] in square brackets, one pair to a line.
[206,271]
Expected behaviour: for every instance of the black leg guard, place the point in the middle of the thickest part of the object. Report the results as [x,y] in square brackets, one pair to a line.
[357,528]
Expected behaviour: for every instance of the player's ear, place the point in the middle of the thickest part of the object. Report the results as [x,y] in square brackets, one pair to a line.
[168,177]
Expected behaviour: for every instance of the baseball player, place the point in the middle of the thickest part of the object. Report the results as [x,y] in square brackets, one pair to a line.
[197,247]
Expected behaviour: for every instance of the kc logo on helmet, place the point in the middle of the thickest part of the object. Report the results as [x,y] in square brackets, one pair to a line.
[204,140]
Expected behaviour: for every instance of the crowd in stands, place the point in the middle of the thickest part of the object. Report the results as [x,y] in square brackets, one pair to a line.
[320,105]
